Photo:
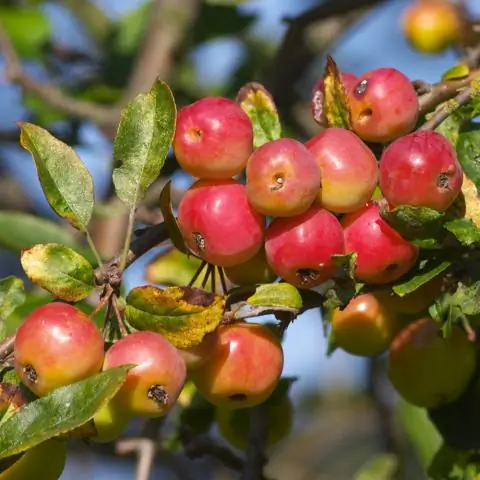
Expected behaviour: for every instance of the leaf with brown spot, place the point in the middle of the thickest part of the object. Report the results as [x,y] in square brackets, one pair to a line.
[183,315]
[329,99]
[59,270]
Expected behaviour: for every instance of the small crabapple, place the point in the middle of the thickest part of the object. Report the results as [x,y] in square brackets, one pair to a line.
[219,224]
[213,138]
[283,178]
[243,369]
[299,249]
[154,384]
[428,370]
[348,169]
[422,170]
[56,345]
[383,105]
[383,255]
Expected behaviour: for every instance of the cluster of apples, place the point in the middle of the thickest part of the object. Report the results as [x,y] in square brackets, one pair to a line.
[236,366]
[293,206]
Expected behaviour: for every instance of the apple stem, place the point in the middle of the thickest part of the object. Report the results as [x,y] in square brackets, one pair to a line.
[223,280]
[197,273]
[118,314]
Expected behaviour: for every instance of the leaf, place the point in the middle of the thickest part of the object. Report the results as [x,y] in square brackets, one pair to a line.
[468,154]
[30,230]
[229,3]
[130,29]
[173,229]
[467,298]
[451,464]
[461,70]
[65,180]
[144,136]
[347,263]
[259,105]
[183,315]
[381,467]
[414,222]
[12,295]
[335,107]
[11,400]
[420,277]
[59,270]
[464,230]
[276,295]
[60,411]
[28,29]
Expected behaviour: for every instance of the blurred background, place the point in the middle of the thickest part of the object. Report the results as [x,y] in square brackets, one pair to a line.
[86,57]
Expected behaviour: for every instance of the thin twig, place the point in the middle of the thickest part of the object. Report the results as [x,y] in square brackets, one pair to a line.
[145,449]
[197,273]
[257,441]
[447,109]
[223,280]
[119,316]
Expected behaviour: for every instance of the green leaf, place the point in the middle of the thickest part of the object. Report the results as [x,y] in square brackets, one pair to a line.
[173,229]
[414,222]
[259,105]
[59,270]
[334,108]
[276,295]
[130,29]
[347,263]
[451,464]
[464,230]
[420,277]
[21,230]
[12,295]
[468,154]
[183,315]
[60,411]
[381,467]
[144,136]
[461,70]
[467,298]
[28,29]
[65,180]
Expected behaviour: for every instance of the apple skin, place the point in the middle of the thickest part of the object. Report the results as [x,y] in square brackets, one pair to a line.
[366,326]
[244,368]
[213,138]
[421,169]
[383,105]
[383,256]
[348,169]
[57,345]
[299,249]
[219,224]
[198,354]
[431,26]
[110,422]
[47,458]
[233,425]
[427,370]
[159,365]
[254,271]
[283,178]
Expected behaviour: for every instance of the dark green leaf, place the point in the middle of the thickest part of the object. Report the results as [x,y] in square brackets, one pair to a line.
[173,229]
[28,29]
[21,230]
[451,464]
[467,298]
[66,182]
[60,411]
[183,315]
[59,270]
[346,263]
[12,295]
[420,277]
[276,295]
[414,222]
[259,105]
[464,230]
[144,136]
[468,154]
[381,467]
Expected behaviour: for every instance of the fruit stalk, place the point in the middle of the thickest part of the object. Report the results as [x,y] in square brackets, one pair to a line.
[6,347]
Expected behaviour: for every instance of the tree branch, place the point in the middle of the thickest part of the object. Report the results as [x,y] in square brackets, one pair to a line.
[6,347]
[145,449]
[257,441]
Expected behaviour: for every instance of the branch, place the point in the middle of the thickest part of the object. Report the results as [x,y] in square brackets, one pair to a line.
[257,440]
[295,54]
[169,20]
[145,449]
[6,347]
[448,108]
